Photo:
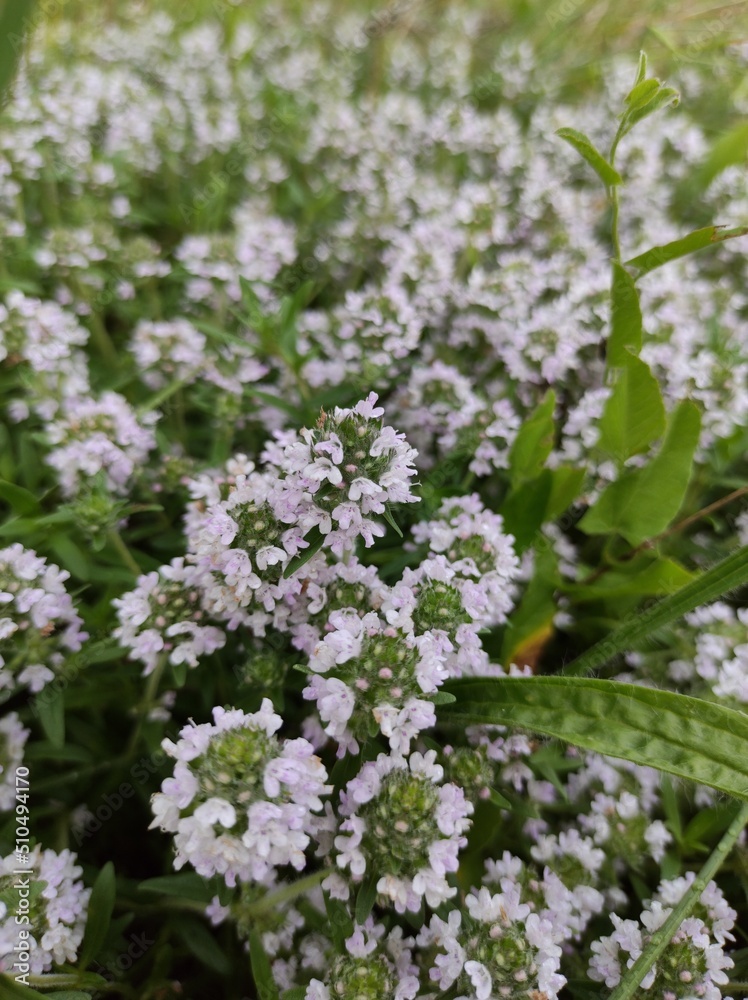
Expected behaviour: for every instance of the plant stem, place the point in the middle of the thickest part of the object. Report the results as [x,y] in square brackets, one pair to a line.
[127,557]
[664,934]
[148,699]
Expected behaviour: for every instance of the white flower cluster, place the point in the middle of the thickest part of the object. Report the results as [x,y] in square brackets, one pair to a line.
[163,616]
[240,802]
[39,624]
[58,904]
[410,856]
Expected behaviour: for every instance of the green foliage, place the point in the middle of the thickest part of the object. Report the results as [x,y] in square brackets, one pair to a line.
[680,735]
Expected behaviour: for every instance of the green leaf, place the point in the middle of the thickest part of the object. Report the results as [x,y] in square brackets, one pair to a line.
[261,968]
[726,576]
[634,415]
[497,799]
[586,149]
[69,995]
[566,483]
[20,500]
[316,540]
[699,239]
[533,443]
[729,150]
[524,510]
[391,521]
[15,21]
[659,99]
[100,909]
[366,896]
[13,990]
[339,920]
[641,94]
[186,885]
[643,577]
[642,503]
[202,944]
[680,735]
[531,624]
[49,707]
[441,698]
[625,318]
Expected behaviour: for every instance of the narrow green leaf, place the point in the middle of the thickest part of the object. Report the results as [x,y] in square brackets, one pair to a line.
[186,885]
[729,150]
[659,941]
[20,500]
[641,70]
[499,800]
[586,149]
[11,989]
[680,735]
[316,540]
[261,969]
[202,944]
[340,922]
[625,318]
[366,896]
[663,98]
[634,415]
[642,503]
[721,579]
[642,93]
[100,910]
[391,521]
[699,239]
[49,708]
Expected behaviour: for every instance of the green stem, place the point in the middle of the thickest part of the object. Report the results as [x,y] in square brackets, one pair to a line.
[148,699]
[614,203]
[126,556]
[664,934]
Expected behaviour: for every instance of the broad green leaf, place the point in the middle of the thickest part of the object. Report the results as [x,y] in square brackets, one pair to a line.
[20,500]
[261,969]
[316,540]
[533,443]
[648,578]
[339,920]
[625,318]
[531,624]
[642,503]
[524,510]
[586,149]
[100,910]
[566,483]
[634,415]
[699,239]
[680,735]
[726,576]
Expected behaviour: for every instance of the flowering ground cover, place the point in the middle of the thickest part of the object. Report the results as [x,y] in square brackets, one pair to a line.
[373,424]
